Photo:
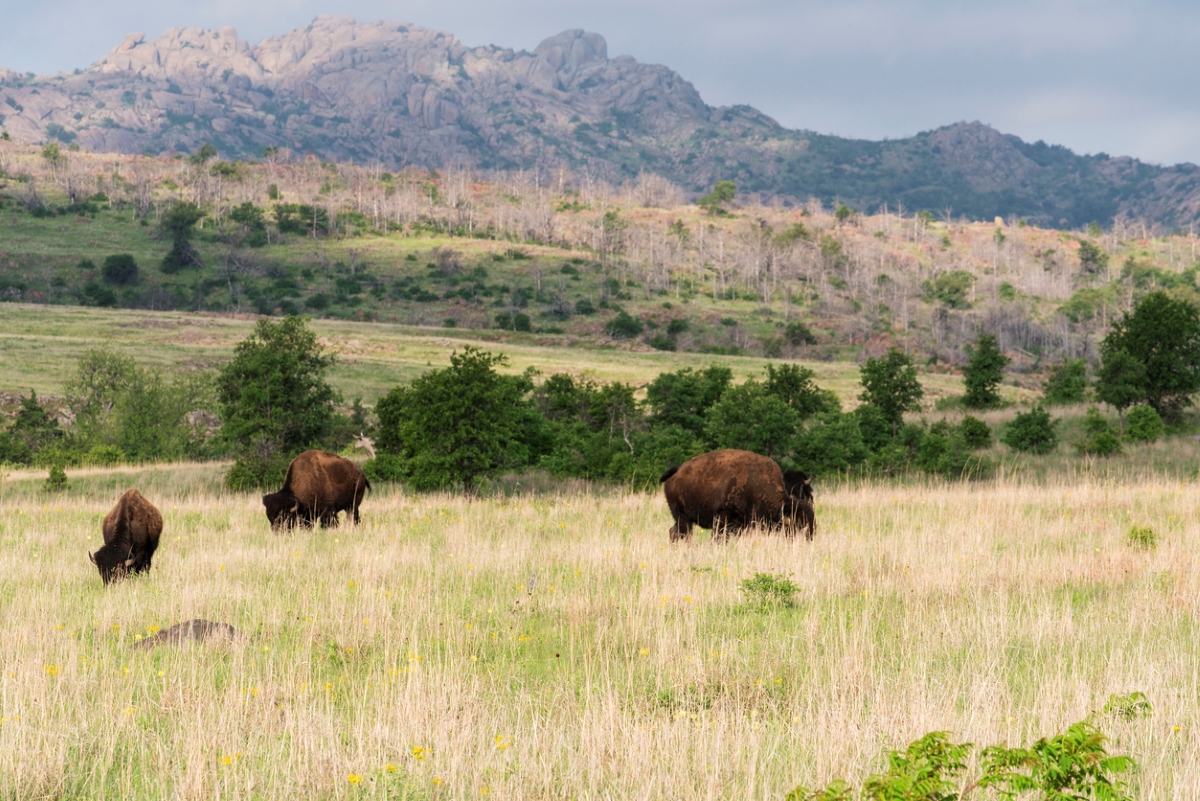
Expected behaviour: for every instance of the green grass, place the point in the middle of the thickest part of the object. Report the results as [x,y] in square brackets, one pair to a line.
[39,346]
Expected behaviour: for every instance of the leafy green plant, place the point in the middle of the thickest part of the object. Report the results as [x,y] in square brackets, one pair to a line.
[1142,538]
[1143,424]
[770,590]
[721,196]
[623,326]
[56,481]
[1066,384]
[1031,431]
[1068,766]
[1071,766]
[1128,706]
[975,433]
[1100,438]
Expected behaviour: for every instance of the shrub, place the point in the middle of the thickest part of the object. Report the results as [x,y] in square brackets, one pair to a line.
[1032,431]
[56,481]
[584,306]
[1066,383]
[1072,765]
[103,456]
[661,342]
[120,269]
[766,590]
[514,322]
[623,326]
[677,326]
[1100,439]
[1142,538]
[798,333]
[1143,424]
[975,433]
[1128,706]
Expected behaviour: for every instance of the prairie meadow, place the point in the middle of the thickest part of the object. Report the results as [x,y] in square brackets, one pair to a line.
[554,645]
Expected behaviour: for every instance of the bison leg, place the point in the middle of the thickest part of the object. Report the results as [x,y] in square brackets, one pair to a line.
[682,530]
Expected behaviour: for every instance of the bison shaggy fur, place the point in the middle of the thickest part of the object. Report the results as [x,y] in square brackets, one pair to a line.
[730,489]
[318,485]
[131,531]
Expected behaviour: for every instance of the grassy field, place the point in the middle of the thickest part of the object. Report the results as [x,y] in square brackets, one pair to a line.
[40,345]
[555,646]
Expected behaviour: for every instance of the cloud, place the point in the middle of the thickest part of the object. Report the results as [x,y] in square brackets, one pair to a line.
[1090,74]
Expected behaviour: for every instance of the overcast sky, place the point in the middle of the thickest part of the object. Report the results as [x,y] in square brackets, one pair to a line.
[1117,77]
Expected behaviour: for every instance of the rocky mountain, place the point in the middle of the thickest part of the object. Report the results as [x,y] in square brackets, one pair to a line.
[406,95]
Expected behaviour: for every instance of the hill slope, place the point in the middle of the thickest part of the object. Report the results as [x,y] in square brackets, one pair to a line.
[406,95]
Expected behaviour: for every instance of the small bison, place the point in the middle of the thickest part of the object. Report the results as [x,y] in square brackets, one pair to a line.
[131,531]
[731,489]
[319,484]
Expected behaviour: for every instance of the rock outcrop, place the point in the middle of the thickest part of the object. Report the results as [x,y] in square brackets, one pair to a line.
[405,95]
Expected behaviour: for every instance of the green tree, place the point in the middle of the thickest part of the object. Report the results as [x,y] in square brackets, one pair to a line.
[121,269]
[751,418]
[33,430]
[794,385]
[1092,258]
[455,426]
[831,442]
[179,223]
[274,400]
[1163,334]
[683,398]
[1066,383]
[206,153]
[983,373]
[721,196]
[1121,382]
[1031,431]
[890,384]
[136,413]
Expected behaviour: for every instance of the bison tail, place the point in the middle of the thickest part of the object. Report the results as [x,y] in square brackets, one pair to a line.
[670,472]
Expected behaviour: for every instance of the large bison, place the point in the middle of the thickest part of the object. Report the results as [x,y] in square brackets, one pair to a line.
[319,484]
[730,489]
[131,531]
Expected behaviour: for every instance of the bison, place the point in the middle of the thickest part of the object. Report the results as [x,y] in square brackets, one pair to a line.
[730,489]
[318,485]
[131,531]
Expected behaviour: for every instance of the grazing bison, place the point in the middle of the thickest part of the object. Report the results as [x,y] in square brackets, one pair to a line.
[730,489]
[319,484]
[131,531]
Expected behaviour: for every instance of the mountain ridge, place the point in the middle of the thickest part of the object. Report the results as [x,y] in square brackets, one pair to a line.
[403,95]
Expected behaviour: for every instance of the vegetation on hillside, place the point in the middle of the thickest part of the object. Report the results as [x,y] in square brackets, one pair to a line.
[629,265]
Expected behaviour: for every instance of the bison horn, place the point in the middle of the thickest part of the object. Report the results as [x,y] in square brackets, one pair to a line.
[92,556]
[128,563]
[296,507]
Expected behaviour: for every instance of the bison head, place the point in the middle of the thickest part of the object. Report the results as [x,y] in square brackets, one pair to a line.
[112,563]
[283,510]
[798,485]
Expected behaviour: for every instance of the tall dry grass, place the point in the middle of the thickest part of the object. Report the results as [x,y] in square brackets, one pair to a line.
[418,657]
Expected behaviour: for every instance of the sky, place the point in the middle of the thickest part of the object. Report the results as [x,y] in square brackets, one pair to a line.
[1121,78]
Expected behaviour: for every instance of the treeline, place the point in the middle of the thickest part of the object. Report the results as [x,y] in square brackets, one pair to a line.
[458,426]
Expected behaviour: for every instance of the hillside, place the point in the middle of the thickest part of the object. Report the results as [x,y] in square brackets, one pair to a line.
[402,95]
[576,264]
